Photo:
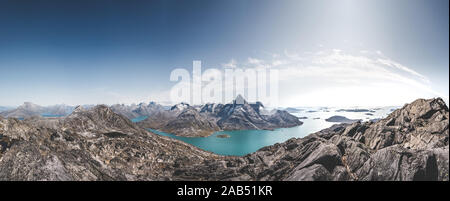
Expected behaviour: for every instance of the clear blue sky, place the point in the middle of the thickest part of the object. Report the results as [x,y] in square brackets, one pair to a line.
[82,52]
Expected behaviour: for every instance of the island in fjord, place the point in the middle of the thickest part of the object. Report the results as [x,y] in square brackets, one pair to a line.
[185,120]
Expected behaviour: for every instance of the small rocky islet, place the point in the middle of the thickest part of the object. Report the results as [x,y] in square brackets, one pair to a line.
[98,144]
[223,136]
[341,119]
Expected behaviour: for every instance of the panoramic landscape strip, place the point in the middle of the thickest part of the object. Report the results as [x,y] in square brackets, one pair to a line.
[410,143]
[224,99]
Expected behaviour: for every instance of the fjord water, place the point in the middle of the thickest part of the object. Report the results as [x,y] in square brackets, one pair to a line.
[138,119]
[242,142]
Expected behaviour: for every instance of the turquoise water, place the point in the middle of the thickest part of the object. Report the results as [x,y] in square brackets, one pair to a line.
[138,119]
[247,141]
[243,142]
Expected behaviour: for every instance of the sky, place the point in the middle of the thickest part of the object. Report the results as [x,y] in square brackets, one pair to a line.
[328,53]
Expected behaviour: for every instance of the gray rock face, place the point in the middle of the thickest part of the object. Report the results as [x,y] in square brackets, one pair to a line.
[416,125]
[98,144]
[185,120]
[397,163]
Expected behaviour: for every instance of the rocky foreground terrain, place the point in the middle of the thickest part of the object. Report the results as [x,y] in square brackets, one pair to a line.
[94,144]
[98,144]
[185,120]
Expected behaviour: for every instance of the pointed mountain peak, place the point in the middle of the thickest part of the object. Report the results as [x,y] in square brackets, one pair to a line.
[259,104]
[28,105]
[239,100]
[101,107]
[78,108]
[180,106]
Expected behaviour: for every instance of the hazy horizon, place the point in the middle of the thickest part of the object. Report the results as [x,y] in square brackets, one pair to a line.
[166,104]
[345,53]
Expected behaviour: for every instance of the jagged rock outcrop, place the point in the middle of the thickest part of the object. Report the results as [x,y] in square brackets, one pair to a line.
[98,144]
[185,120]
[416,125]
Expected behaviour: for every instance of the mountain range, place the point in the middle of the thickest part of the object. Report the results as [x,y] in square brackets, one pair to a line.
[185,120]
[28,109]
[134,111]
[412,143]
[180,119]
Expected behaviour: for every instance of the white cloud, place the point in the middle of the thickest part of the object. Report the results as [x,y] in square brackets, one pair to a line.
[254,61]
[278,62]
[394,64]
[338,78]
[231,64]
[292,56]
